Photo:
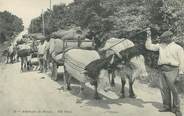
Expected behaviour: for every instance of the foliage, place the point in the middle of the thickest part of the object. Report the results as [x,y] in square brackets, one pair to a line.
[117,18]
[10,25]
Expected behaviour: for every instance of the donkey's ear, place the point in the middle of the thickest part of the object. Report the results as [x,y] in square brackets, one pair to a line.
[112,59]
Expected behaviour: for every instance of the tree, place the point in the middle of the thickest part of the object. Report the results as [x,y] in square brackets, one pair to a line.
[121,19]
[9,26]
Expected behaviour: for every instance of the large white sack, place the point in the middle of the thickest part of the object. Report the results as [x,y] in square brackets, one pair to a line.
[76,60]
[56,45]
[72,33]
[81,56]
[118,45]
[58,58]
[72,36]
[60,33]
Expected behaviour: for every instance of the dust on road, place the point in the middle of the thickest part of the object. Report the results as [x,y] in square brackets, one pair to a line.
[35,94]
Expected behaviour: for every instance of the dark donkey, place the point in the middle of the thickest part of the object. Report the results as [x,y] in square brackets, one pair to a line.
[133,66]
[24,51]
[92,72]
[94,68]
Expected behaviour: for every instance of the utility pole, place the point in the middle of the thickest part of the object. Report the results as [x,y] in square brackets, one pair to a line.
[31,26]
[50,4]
[43,23]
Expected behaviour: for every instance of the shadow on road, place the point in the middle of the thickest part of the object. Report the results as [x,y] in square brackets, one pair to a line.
[105,102]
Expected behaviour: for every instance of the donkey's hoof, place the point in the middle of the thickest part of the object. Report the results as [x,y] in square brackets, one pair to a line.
[69,88]
[97,97]
[122,96]
[112,84]
[61,88]
[132,96]
[78,101]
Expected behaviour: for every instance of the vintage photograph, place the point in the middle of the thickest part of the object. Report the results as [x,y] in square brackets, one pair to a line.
[91,57]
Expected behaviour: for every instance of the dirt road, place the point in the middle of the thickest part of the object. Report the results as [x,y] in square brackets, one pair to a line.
[35,94]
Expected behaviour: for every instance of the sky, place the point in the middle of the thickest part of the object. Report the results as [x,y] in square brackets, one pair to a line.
[28,9]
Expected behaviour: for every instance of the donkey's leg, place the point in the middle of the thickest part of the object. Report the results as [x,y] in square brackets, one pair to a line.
[65,78]
[123,82]
[22,61]
[112,80]
[11,59]
[68,80]
[81,93]
[24,66]
[54,70]
[111,76]
[7,60]
[44,65]
[68,83]
[96,96]
[26,63]
[17,58]
[131,90]
[29,67]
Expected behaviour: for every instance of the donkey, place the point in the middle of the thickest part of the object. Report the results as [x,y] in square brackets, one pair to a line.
[11,54]
[24,52]
[88,68]
[127,61]
[129,64]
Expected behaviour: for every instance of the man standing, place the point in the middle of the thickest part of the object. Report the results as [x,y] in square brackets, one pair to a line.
[171,63]
[46,55]
[41,50]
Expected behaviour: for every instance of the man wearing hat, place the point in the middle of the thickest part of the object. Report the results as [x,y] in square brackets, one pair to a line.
[171,64]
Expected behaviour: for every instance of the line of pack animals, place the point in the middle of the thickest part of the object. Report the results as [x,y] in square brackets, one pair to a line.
[71,49]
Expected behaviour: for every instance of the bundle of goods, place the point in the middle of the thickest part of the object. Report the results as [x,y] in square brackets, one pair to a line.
[23,50]
[117,45]
[73,33]
[38,36]
[76,60]
[20,41]
[55,46]
[58,58]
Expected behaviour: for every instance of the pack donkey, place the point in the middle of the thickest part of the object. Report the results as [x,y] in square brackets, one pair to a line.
[127,62]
